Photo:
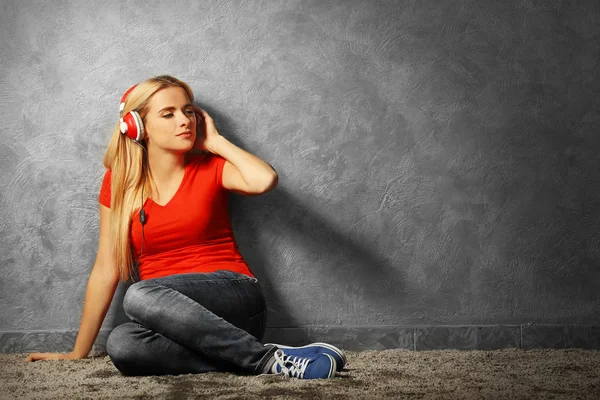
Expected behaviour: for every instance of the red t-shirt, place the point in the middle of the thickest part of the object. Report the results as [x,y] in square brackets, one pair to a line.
[192,232]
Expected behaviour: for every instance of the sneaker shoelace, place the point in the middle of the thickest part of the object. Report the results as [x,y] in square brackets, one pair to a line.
[297,365]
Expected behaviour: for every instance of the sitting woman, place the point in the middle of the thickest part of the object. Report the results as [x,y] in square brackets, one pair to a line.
[194,304]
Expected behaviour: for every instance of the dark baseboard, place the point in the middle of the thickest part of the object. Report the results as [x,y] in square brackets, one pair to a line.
[492,337]
[359,338]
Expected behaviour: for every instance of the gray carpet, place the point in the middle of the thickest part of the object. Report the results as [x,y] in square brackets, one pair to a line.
[398,374]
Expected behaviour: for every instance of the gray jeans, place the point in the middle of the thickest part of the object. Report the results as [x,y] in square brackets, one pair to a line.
[192,323]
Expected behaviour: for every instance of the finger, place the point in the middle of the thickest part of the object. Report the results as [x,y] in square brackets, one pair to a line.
[205,115]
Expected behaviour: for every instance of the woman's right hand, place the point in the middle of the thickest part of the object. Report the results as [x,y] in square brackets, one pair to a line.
[49,356]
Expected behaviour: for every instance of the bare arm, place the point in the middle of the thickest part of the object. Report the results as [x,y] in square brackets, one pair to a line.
[98,296]
[101,288]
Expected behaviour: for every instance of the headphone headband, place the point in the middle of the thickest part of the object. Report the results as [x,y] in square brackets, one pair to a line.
[122,105]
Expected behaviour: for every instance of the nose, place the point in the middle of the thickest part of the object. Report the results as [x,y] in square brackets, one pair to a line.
[186,120]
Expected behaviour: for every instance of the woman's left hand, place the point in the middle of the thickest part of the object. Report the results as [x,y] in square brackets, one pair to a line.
[206,132]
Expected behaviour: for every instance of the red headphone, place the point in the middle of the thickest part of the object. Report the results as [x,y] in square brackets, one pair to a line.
[131,123]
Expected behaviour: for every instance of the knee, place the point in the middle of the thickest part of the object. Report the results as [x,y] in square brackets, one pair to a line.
[134,296]
[120,348]
[116,343]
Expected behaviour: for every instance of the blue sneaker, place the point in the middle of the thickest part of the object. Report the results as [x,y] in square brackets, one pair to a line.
[320,367]
[314,349]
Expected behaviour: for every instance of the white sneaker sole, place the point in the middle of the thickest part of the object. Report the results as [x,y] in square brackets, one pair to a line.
[333,368]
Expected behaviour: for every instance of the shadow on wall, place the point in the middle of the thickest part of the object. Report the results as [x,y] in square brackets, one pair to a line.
[337,276]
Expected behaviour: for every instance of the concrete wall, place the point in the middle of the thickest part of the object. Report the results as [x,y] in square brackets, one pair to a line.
[438,161]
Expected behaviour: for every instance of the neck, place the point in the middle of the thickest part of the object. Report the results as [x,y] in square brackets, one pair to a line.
[163,165]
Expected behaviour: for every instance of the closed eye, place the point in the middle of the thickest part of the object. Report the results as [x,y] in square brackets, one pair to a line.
[169,115]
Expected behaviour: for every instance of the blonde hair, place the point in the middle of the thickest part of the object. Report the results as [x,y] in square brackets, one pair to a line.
[125,159]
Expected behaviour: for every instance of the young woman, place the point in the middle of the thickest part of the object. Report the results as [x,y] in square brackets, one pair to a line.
[194,304]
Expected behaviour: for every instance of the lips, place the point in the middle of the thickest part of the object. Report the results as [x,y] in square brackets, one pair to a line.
[185,133]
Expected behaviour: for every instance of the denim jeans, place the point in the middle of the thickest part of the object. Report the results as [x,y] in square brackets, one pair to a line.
[192,323]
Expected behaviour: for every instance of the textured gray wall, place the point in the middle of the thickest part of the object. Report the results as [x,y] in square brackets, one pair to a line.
[438,160]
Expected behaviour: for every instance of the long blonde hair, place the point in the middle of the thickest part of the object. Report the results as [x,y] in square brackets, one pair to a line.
[125,160]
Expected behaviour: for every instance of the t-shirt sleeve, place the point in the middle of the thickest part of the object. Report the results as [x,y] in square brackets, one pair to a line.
[220,163]
[104,196]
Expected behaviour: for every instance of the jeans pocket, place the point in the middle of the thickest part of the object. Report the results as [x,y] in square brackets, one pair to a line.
[256,324]
[236,275]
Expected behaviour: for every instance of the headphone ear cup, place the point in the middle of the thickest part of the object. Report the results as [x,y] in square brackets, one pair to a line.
[132,126]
